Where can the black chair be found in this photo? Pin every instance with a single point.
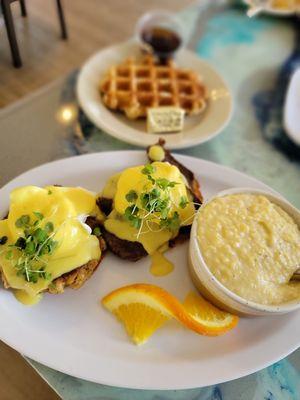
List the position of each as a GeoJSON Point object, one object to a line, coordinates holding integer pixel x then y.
{"type": "Point", "coordinates": [10, 29]}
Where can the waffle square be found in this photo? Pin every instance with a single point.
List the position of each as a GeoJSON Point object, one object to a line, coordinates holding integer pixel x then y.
{"type": "Point", "coordinates": [134, 86]}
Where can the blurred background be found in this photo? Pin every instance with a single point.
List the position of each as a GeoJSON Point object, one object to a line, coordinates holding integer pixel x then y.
{"type": "Point", "coordinates": [91, 24]}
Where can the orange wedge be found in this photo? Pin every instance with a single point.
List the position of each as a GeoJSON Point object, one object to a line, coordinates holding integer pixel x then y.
{"type": "Point", "coordinates": [215, 320]}
{"type": "Point", "coordinates": [144, 308]}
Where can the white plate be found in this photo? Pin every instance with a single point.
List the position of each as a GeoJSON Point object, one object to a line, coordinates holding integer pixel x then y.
{"type": "Point", "coordinates": [277, 12]}
{"type": "Point", "coordinates": [291, 108]}
{"type": "Point", "coordinates": [197, 129]}
{"type": "Point", "coordinates": [72, 333]}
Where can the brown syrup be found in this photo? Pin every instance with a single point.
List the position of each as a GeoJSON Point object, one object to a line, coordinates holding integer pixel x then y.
{"type": "Point", "coordinates": [163, 41]}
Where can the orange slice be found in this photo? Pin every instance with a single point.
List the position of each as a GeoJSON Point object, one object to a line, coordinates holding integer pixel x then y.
{"type": "Point", "coordinates": [215, 320]}
{"type": "Point", "coordinates": [144, 308]}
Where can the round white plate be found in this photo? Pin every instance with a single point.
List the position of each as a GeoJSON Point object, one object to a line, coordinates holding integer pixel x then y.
{"type": "Point", "coordinates": [197, 129]}
{"type": "Point", "coordinates": [277, 12]}
{"type": "Point", "coordinates": [72, 333]}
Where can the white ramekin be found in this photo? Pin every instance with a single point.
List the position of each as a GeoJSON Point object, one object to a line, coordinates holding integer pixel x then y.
{"type": "Point", "coordinates": [214, 290]}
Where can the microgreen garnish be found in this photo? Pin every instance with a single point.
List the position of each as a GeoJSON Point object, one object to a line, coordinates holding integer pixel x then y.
{"type": "Point", "coordinates": [3, 240]}
{"type": "Point", "coordinates": [164, 183]}
{"type": "Point", "coordinates": [23, 221]}
{"type": "Point", "coordinates": [183, 202]}
{"type": "Point", "coordinates": [131, 196]}
{"type": "Point", "coordinates": [154, 204]}
{"type": "Point", "coordinates": [38, 215]}
{"type": "Point", "coordinates": [148, 170]}
{"type": "Point", "coordinates": [97, 231]}
{"type": "Point", "coordinates": [49, 227]}
{"type": "Point", "coordinates": [172, 223]}
{"type": "Point", "coordinates": [131, 215]}
{"type": "Point", "coordinates": [9, 255]}
{"type": "Point", "coordinates": [31, 248]}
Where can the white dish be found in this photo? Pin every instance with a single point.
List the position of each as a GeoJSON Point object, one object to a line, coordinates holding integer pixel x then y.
{"type": "Point", "coordinates": [72, 333]}
{"type": "Point", "coordinates": [203, 277]}
{"type": "Point", "coordinates": [292, 107]}
{"type": "Point", "coordinates": [277, 12]}
{"type": "Point", "coordinates": [197, 129]}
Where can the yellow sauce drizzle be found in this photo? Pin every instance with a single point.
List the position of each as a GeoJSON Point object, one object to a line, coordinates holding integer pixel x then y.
{"type": "Point", "coordinates": [160, 265]}
{"type": "Point", "coordinates": [25, 298]}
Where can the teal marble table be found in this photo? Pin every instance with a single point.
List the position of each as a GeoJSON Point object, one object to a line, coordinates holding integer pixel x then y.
{"type": "Point", "coordinates": [249, 54]}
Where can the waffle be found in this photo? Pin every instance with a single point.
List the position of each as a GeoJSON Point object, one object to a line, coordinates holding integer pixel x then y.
{"type": "Point", "coordinates": [134, 86]}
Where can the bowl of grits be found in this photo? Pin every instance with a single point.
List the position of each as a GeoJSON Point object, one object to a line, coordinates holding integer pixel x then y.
{"type": "Point", "coordinates": [244, 250]}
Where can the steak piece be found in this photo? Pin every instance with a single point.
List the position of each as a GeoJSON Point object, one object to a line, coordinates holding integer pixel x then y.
{"type": "Point", "coordinates": [183, 235]}
{"type": "Point", "coordinates": [131, 251]}
{"type": "Point", "coordinates": [105, 205]}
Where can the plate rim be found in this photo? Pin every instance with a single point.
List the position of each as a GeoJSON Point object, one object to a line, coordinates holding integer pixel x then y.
{"type": "Point", "coordinates": [113, 382]}
{"type": "Point", "coordinates": [137, 142]}
{"type": "Point", "coordinates": [275, 12]}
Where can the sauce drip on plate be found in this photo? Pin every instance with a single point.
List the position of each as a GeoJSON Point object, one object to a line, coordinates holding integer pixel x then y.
{"type": "Point", "coordinates": [160, 265]}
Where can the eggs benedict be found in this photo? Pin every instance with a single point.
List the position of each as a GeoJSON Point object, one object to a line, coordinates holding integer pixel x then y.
{"type": "Point", "coordinates": [49, 240]}
{"type": "Point", "coordinates": [149, 207]}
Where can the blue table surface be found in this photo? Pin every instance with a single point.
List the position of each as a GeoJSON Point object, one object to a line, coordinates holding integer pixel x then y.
{"type": "Point", "coordinates": [256, 58]}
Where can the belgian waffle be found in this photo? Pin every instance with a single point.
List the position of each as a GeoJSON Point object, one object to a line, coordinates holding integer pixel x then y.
{"type": "Point", "coordinates": [134, 86]}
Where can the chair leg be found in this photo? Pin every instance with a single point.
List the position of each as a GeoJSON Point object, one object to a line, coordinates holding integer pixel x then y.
{"type": "Point", "coordinates": [11, 34]}
{"type": "Point", "coordinates": [63, 27]}
{"type": "Point", "coordinates": [23, 8]}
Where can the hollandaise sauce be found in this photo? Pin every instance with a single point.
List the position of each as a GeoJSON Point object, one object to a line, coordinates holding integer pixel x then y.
{"type": "Point", "coordinates": [44, 237]}
{"type": "Point", "coordinates": [25, 298]}
{"type": "Point", "coordinates": [160, 265]}
{"type": "Point", "coordinates": [150, 204]}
